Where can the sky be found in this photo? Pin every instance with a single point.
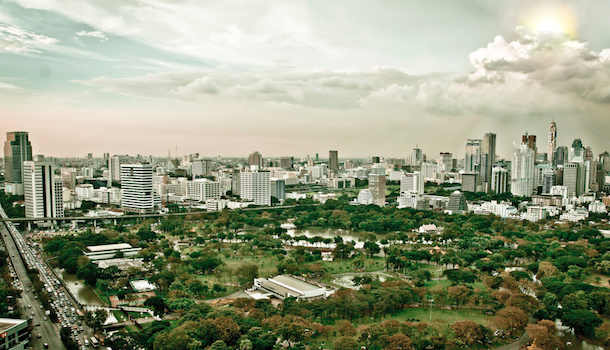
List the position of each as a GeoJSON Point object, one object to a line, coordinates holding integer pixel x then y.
{"type": "Point", "coordinates": [366, 78]}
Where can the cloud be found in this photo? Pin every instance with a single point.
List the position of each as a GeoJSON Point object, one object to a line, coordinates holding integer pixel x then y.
{"type": "Point", "coordinates": [6, 87]}
{"type": "Point", "coordinates": [94, 34]}
{"type": "Point", "coordinates": [18, 40]}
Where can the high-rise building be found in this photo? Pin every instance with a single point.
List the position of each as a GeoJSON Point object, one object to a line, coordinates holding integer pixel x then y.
{"type": "Point", "coordinates": [469, 182]}
{"type": "Point", "coordinates": [333, 161]}
{"type": "Point", "coordinates": [522, 170]}
{"type": "Point", "coordinates": [137, 188]}
{"type": "Point", "coordinates": [499, 178]}
{"type": "Point", "coordinates": [377, 187]}
{"type": "Point", "coordinates": [278, 188]}
{"type": "Point", "coordinates": [552, 142]}
{"type": "Point", "coordinates": [202, 190]}
{"type": "Point", "coordinates": [457, 203]}
{"type": "Point", "coordinates": [446, 160]}
{"type": "Point", "coordinates": [43, 192]}
{"type": "Point", "coordinates": [548, 181]}
{"type": "Point", "coordinates": [201, 167]}
{"type": "Point", "coordinates": [574, 178]}
{"type": "Point", "coordinates": [530, 141]}
{"type": "Point", "coordinates": [256, 159]}
{"type": "Point", "coordinates": [561, 155]}
{"type": "Point", "coordinates": [417, 156]}
{"type": "Point", "coordinates": [375, 159]}
{"type": "Point", "coordinates": [472, 159]}
{"type": "Point", "coordinates": [68, 178]}
{"type": "Point", "coordinates": [114, 166]}
{"type": "Point", "coordinates": [287, 162]}
{"type": "Point", "coordinates": [17, 149]}
{"type": "Point", "coordinates": [604, 159]}
{"type": "Point", "coordinates": [256, 186]}
{"type": "Point", "coordinates": [412, 182]}
{"type": "Point", "coordinates": [488, 159]}
{"type": "Point", "coordinates": [577, 151]}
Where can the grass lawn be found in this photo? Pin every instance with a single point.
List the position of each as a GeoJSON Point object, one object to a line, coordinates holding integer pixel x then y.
{"type": "Point", "coordinates": [449, 316]}
{"type": "Point", "coordinates": [119, 316]}
{"type": "Point", "coordinates": [345, 265]}
{"type": "Point", "coordinates": [604, 281]}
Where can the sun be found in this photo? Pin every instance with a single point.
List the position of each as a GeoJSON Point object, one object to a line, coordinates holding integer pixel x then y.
{"type": "Point", "coordinates": [549, 27]}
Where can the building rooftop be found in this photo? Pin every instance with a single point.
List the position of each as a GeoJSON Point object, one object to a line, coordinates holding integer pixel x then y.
{"type": "Point", "coordinates": [7, 323]}
{"type": "Point", "coordinates": [142, 285]}
{"type": "Point", "coordinates": [105, 247]}
{"type": "Point", "coordinates": [294, 283]}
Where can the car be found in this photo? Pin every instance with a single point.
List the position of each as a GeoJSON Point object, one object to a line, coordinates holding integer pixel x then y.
{"type": "Point", "coordinates": [32, 313]}
{"type": "Point", "coordinates": [41, 306]}
{"type": "Point", "coordinates": [44, 318]}
{"type": "Point", "coordinates": [31, 317]}
{"type": "Point", "coordinates": [39, 335]}
{"type": "Point", "coordinates": [46, 346]}
{"type": "Point", "coordinates": [29, 306]}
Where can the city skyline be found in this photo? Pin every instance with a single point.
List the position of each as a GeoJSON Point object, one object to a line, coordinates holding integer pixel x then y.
{"type": "Point", "coordinates": [302, 78]}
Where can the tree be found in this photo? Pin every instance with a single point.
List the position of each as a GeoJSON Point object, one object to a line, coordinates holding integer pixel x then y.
{"type": "Point", "coordinates": [247, 273]}
{"type": "Point", "coordinates": [467, 331]}
{"type": "Point", "coordinates": [346, 343]}
{"type": "Point", "coordinates": [543, 335]}
{"type": "Point", "coordinates": [345, 328]}
{"type": "Point", "coordinates": [371, 248]}
{"type": "Point", "coordinates": [399, 341]}
{"type": "Point", "coordinates": [158, 305]}
{"type": "Point", "coordinates": [582, 321]}
{"type": "Point", "coordinates": [510, 319]}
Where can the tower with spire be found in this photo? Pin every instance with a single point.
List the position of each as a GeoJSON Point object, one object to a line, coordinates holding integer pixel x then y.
{"type": "Point", "coordinates": [552, 141]}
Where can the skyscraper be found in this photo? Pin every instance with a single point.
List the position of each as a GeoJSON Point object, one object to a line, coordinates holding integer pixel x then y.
{"type": "Point", "coordinates": [68, 178]}
{"type": "Point", "coordinates": [488, 159]}
{"type": "Point", "coordinates": [256, 159]}
{"type": "Point", "coordinates": [377, 187]}
{"type": "Point", "coordinates": [552, 142]}
{"type": "Point", "coordinates": [333, 161]}
{"type": "Point", "coordinates": [574, 178]}
{"type": "Point", "coordinates": [472, 159]}
{"type": "Point", "coordinates": [137, 188]}
{"type": "Point", "coordinates": [499, 178]}
{"type": "Point", "coordinates": [522, 170]}
{"type": "Point", "coordinates": [43, 192]}
{"type": "Point", "coordinates": [446, 160]}
{"type": "Point", "coordinates": [561, 156]}
{"type": "Point", "coordinates": [577, 151]}
{"type": "Point", "coordinates": [256, 186]}
{"type": "Point", "coordinates": [416, 156]}
{"type": "Point", "coordinates": [17, 149]}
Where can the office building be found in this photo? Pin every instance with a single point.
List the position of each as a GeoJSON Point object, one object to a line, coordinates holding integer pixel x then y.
{"type": "Point", "coordinates": [522, 170]}
{"type": "Point", "coordinates": [333, 161]}
{"type": "Point", "coordinates": [530, 141]}
{"type": "Point", "coordinates": [548, 181]}
{"type": "Point", "coordinates": [561, 155]}
{"type": "Point", "coordinates": [552, 142]}
{"type": "Point", "coordinates": [43, 192]}
{"type": "Point", "coordinates": [446, 161]}
{"type": "Point", "coordinates": [457, 203]}
{"type": "Point", "coordinates": [365, 197]}
{"type": "Point", "coordinates": [201, 167]}
{"type": "Point", "coordinates": [469, 182]}
{"type": "Point", "coordinates": [377, 187]}
{"type": "Point", "coordinates": [14, 334]}
{"type": "Point", "coordinates": [256, 187]}
{"type": "Point", "coordinates": [17, 149]}
{"type": "Point", "coordinates": [412, 182]}
{"type": "Point", "coordinates": [574, 178]}
{"type": "Point", "coordinates": [417, 156]}
{"type": "Point", "coordinates": [287, 162]}
{"type": "Point", "coordinates": [499, 179]}
{"type": "Point", "coordinates": [68, 178]}
{"type": "Point", "coordinates": [472, 159]}
{"type": "Point", "coordinates": [488, 159]}
{"type": "Point", "coordinates": [375, 159]}
{"type": "Point", "coordinates": [138, 195]}
{"type": "Point", "coordinates": [278, 188]}
{"type": "Point", "coordinates": [202, 190]}
{"type": "Point", "coordinates": [256, 159]}
{"type": "Point", "coordinates": [114, 166]}
{"type": "Point", "coordinates": [577, 151]}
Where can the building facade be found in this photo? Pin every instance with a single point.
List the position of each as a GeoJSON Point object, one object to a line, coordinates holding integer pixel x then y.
{"type": "Point", "coordinates": [17, 149]}
{"type": "Point", "coordinates": [522, 170]}
{"type": "Point", "coordinates": [256, 186]}
{"type": "Point", "coordinates": [43, 192]}
{"type": "Point", "coordinates": [138, 195]}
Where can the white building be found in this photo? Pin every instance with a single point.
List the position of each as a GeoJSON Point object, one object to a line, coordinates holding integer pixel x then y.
{"type": "Point", "coordinates": [256, 186]}
{"type": "Point", "coordinates": [284, 286]}
{"type": "Point", "coordinates": [522, 170]}
{"type": "Point", "coordinates": [412, 182]}
{"type": "Point", "coordinates": [84, 191]}
{"type": "Point", "coordinates": [14, 334]}
{"type": "Point", "coordinates": [499, 179]}
{"type": "Point", "coordinates": [138, 195]}
{"type": "Point", "coordinates": [202, 189]}
{"type": "Point", "coordinates": [408, 199]}
{"type": "Point", "coordinates": [43, 192]}
{"type": "Point", "coordinates": [365, 197]}
{"type": "Point", "coordinates": [597, 207]}
{"type": "Point", "coordinates": [575, 215]}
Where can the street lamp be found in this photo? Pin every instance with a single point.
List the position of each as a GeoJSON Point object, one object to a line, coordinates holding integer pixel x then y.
{"type": "Point", "coordinates": [431, 301]}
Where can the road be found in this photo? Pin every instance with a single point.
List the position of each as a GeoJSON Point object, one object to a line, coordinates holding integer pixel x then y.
{"type": "Point", "coordinates": [49, 332]}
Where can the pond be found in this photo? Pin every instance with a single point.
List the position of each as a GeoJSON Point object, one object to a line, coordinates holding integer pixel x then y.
{"type": "Point", "coordinates": [572, 341]}
{"type": "Point", "coordinates": [83, 293]}
{"type": "Point", "coordinates": [347, 235]}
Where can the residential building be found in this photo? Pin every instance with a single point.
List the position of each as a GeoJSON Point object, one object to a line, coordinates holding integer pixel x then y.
{"type": "Point", "coordinates": [522, 171]}
{"type": "Point", "coordinates": [256, 159]}
{"type": "Point", "coordinates": [377, 187]}
{"type": "Point", "coordinates": [256, 186]}
{"type": "Point", "coordinates": [499, 178]}
{"type": "Point", "coordinates": [43, 192]}
{"type": "Point", "coordinates": [138, 195]}
{"type": "Point", "coordinates": [202, 190]}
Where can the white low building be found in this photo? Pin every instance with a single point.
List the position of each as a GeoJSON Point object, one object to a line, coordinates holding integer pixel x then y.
{"type": "Point", "coordinates": [284, 286]}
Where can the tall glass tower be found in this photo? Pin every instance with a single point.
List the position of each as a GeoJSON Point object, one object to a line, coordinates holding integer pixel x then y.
{"type": "Point", "coordinates": [17, 149]}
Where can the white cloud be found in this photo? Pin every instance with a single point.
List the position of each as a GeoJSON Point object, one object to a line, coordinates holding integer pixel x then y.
{"type": "Point", "coordinates": [18, 40]}
{"type": "Point", "coordinates": [6, 87]}
{"type": "Point", "coordinates": [94, 34]}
